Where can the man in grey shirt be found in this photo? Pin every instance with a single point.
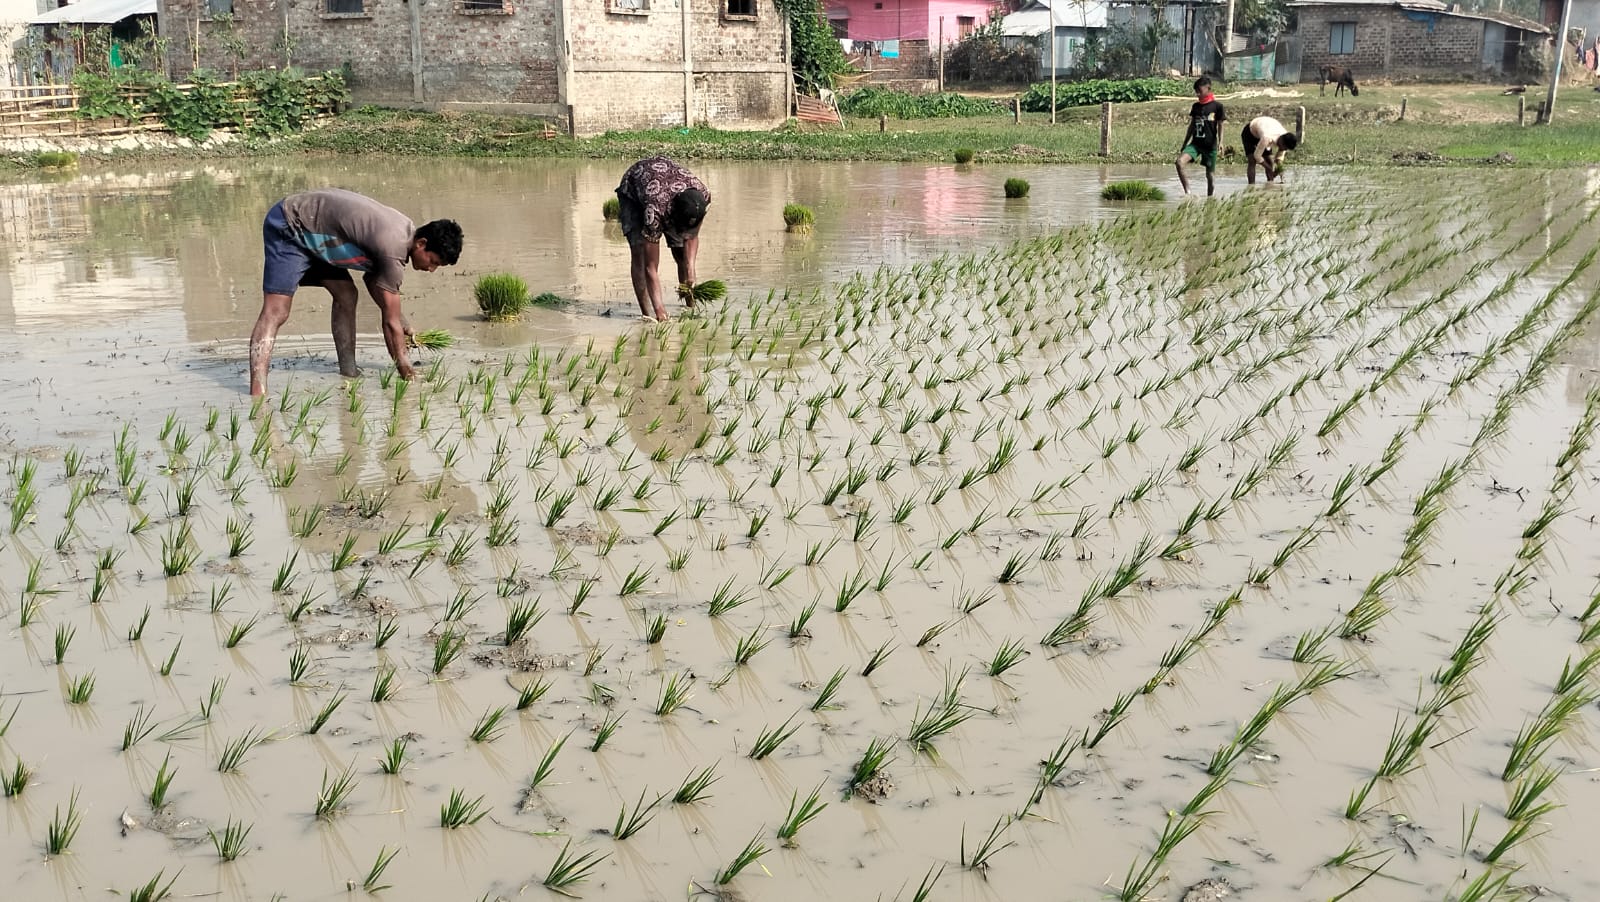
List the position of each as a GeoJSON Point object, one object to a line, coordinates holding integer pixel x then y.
{"type": "Point", "coordinates": [316, 238]}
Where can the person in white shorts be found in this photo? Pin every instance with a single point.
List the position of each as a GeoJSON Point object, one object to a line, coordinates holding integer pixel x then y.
{"type": "Point", "coordinates": [1265, 142]}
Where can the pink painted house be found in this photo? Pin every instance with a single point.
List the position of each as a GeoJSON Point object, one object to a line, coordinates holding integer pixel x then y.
{"type": "Point", "coordinates": [906, 20]}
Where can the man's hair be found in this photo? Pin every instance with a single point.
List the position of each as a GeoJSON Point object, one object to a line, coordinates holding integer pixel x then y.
{"type": "Point", "coordinates": [1288, 142]}
{"type": "Point", "coordinates": [1202, 82]}
{"type": "Point", "coordinates": [444, 238]}
{"type": "Point", "coordinates": [688, 208]}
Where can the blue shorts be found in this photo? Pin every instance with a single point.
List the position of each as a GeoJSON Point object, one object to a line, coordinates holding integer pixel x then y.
{"type": "Point", "coordinates": [288, 265]}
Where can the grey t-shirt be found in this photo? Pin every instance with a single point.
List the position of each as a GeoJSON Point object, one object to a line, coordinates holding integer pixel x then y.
{"type": "Point", "coordinates": [352, 231]}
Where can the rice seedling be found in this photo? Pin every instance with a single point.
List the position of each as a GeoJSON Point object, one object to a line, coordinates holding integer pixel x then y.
{"type": "Point", "coordinates": [63, 640]}
{"type": "Point", "coordinates": [383, 685]}
{"type": "Point", "coordinates": [1141, 878]}
{"type": "Point", "coordinates": [63, 828]}
{"type": "Point", "coordinates": [674, 693]}
{"type": "Point", "coordinates": [234, 751]}
{"type": "Point", "coordinates": [325, 712]}
{"type": "Point", "coordinates": [231, 843]}
{"type": "Point", "coordinates": [138, 728]}
{"type": "Point", "coordinates": [14, 781]}
{"type": "Point", "coordinates": [384, 630]}
{"type": "Point", "coordinates": [872, 762]}
{"type": "Point", "coordinates": [446, 648]}
{"type": "Point", "coordinates": [1016, 188]}
{"type": "Point", "coordinates": [752, 851]}
{"type": "Point", "coordinates": [283, 581]}
{"type": "Point", "coordinates": [1132, 189]}
{"type": "Point", "coordinates": [569, 870]}
{"type": "Point", "coordinates": [608, 727]}
{"type": "Point", "coordinates": [628, 823]}
{"type": "Point", "coordinates": [1110, 718]}
{"type": "Point", "coordinates": [238, 631]}
{"type": "Point", "coordinates": [80, 689]}
{"type": "Point", "coordinates": [797, 218]}
{"type": "Point", "coordinates": [178, 555]}
{"type": "Point", "coordinates": [332, 794]}
{"type": "Point", "coordinates": [153, 890]}
{"type": "Point", "coordinates": [878, 657]}
{"type": "Point", "coordinates": [748, 646]}
{"type": "Point", "coordinates": [724, 599]}
{"type": "Point", "coordinates": [770, 739]}
{"type": "Point", "coordinates": [1007, 656]}
{"type": "Point", "coordinates": [489, 727]}
{"type": "Point", "coordinates": [433, 339]}
{"type": "Point", "coordinates": [1538, 733]}
{"type": "Point", "coordinates": [240, 537]}
{"type": "Point", "coordinates": [800, 813]}
{"type": "Point", "coordinates": [166, 665]}
{"type": "Point", "coordinates": [458, 811]}
{"type": "Point", "coordinates": [986, 849]}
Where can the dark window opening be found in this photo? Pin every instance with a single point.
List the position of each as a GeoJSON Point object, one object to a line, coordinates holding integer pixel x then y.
{"type": "Point", "coordinates": [1342, 38]}
{"type": "Point", "coordinates": [746, 8]}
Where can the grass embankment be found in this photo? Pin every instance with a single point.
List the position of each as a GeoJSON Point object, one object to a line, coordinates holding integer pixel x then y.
{"type": "Point", "coordinates": [1444, 124]}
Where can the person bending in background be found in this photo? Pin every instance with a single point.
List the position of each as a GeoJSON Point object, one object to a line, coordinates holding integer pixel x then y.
{"type": "Point", "coordinates": [658, 197]}
{"type": "Point", "coordinates": [1265, 142]}
{"type": "Point", "coordinates": [1200, 139]}
{"type": "Point", "coordinates": [316, 238]}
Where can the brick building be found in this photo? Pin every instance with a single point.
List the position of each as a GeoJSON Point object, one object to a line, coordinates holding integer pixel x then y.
{"type": "Point", "coordinates": [594, 64]}
{"type": "Point", "coordinates": [1414, 39]}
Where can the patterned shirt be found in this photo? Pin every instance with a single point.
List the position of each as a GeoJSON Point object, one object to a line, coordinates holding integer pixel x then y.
{"type": "Point", "coordinates": [352, 231]}
{"type": "Point", "coordinates": [652, 184]}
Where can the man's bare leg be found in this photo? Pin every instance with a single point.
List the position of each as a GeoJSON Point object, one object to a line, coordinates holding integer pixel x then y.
{"type": "Point", "coordinates": [344, 325]}
{"type": "Point", "coordinates": [1250, 171]}
{"type": "Point", "coordinates": [274, 312]}
{"type": "Point", "coordinates": [1183, 177]}
{"type": "Point", "coordinates": [1211, 182]}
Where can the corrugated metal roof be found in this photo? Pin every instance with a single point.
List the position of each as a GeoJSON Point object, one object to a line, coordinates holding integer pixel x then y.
{"type": "Point", "coordinates": [1434, 6]}
{"type": "Point", "coordinates": [1034, 18]}
{"type": "Point", "coordinates": [96, 12]}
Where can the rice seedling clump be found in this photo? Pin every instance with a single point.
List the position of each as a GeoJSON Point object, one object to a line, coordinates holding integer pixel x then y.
{"type": "Point", "coordinates": [964, 155]}
{"type": "Point", "coordinates": [1132, 189]}
{"type": "Point", "coordinates": [501, 295]}
{"type": "Point", "coordinates": [1016, 188]}
{"type": "Point", "coordinates": [797, 218]}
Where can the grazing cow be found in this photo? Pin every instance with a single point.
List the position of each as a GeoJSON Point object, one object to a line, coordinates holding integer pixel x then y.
{"type": "Point", "coordinates": [1341, 78]}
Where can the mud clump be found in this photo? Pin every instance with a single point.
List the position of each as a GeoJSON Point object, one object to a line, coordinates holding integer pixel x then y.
{"type": "Point", "coordinates": [1209, 890]}
{"type": "Point", "coordinates": [875, 790]}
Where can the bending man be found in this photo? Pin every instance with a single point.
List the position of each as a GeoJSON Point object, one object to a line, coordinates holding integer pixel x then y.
{"type": "Point", "coordinates": [659, 197]}
{"type": "Point", "coordinates": [1265, 142]}
{"type": "Point", "coordinates": [316, 238]}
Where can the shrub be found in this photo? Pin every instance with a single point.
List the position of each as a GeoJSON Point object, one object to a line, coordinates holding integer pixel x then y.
{"type": "Point", "coordinates": [1103, 90]}
{"type": "Point", "coordinates": [983, 55]}
{"type": "Point", "coordinates": [797, 218]}
{"type": "Point", "coordinates": [964, 155]}
{"type": "Point", "coordinates": [1132, 189]}
{"type": "Point", "coordinates": [611, 209]}
{"type": "Point", "coordinates": [901, 105]}
{"type": "Point", "coordinates": [548, 299]}
{"type": "Point", "coordinates": [54, 159]}
{"type": "Point", "coordinates": [1016, 188]}
{"type": "Point", "coordinates": [501, 295]}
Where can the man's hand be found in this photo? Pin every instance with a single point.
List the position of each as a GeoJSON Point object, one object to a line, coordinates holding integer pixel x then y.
{"type": "Point", "coordinates": [406, 371]}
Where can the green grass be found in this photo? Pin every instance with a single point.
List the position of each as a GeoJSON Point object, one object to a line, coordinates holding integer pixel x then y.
{"type": "Point", "coordinates": [1132, 189]}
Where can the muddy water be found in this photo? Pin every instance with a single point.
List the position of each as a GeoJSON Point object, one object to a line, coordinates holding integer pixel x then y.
{"type": "Point", "coordinates": [1052, 406]}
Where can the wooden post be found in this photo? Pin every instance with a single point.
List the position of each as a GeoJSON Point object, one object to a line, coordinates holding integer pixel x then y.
{"type": "Point", "coordinates": [883, 122]}
{"type": "Point", "coordinates": [1300, 123]}
{"type": "Point", "coordinates": [1402, 109]}
{"type": "Point", "coordinates": [1016, 111]}
{"type": "Point", "coordinates": [1522, 110]}
{"type": "Point", "coordinates": [1105, 129]}
{"type": "Point", "coordinates": [941, 54]}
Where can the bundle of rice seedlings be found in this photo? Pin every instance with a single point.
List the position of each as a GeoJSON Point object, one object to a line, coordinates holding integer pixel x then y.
{"type": "Point", "coordinates": [501, 295]}
{"type": "Point", "coordinates": [1016, 188]}
{"type": "Point", "coordinates": [433, 339]}
{"type": "Point", "coordinates": [797, 218]}
{"type": "Point", "coordinates": [964, 155]}
{"type": "Point", "coordinates": [1132, 189]}
{"type": "Point", "coordinates": [611, 209]}
{"type": "Point", "coordinates": [703, 292]}
{"type": "Point", "coordinates": [547, 299]}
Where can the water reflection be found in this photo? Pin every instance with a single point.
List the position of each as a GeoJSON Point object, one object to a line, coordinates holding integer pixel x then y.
{"type": "Point", "coordinates": [186, 240]}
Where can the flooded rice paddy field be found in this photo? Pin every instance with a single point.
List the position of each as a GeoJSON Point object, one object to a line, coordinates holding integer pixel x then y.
{"type": "Point", "coordinates": [1242, 546]}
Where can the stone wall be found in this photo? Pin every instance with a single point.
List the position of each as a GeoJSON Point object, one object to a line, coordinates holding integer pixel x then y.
{"type": "Point", "coordinates": [1392, 44]}
{"type": "Point", "coordinates": [625, 65]}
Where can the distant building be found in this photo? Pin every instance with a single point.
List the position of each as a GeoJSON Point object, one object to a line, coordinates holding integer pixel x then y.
{"type": "Point", "coordinates": [1075, 21]}
{"type": "Point", "coordinates": [902, 34]}
{"type": "Point", "coordinates": [14, 16]}
{"type": "Point", "coordinates": [601, 65]}
{"type": "Point", "coordinates": [1414, 39]}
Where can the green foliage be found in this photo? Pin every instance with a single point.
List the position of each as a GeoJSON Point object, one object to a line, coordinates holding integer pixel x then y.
{"type": "Point", "coordinates": [264, 103]}
{"type": "Point", "coordinates": [501, 295]}
{"type": "Point", "coordinates": [1132, 189]}
{"type": "Point", "coordinates": [815, 53]}
{"type": "Point", "coordinates": [901, 105]}
{"type": "Point", "coordinates": [1102, 90]}
{"type": "Point", "coordinates": [53, 159]}
{"type": "Point", "coordinates": [964, 155]}
{"type": "Point", "coordinates": [611, 209]}
{"type": "Point", "coordinates": [1016, 188]}
{"type": "Point", "coordinates": [982, 55]}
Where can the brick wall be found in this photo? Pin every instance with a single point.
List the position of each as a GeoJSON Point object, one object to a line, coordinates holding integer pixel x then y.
{"type": "Point", "coordinates": [1392, 44]}
{"type": "Point", "coordinates": [626, 69]}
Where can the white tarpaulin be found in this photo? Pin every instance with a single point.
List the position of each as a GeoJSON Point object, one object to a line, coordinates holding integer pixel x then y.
{"type": "Point", "coordinates": [96, 12]}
